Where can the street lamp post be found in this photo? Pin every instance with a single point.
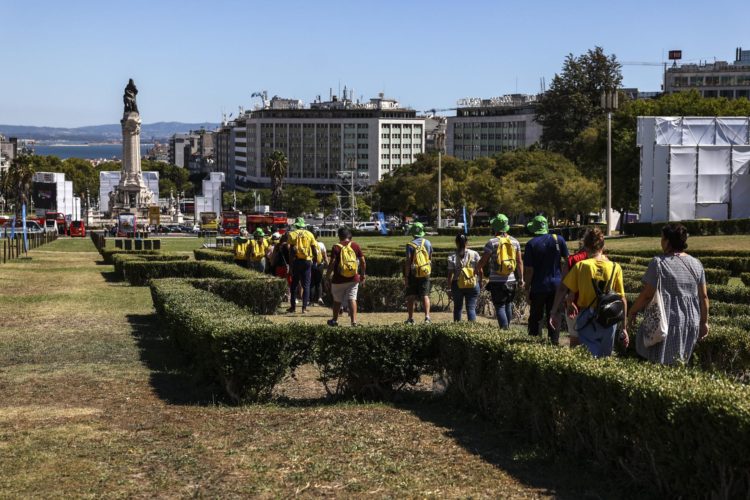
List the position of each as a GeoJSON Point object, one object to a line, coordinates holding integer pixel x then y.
{"type": "Point", "coordinates": [440, 191]}
{"type": "Point", "coordinates": [609, 103]}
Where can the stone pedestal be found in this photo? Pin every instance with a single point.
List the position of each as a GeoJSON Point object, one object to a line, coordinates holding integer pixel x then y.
{"type": "Point", "coordinates": [132, 193]}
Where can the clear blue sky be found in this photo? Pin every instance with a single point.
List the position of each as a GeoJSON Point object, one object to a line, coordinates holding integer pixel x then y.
{"type": "Point", "coordinates": [65, 63]}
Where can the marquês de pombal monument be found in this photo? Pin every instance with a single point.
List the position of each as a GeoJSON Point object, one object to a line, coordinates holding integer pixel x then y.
{"type": "Point", "coordinates": [132, 193]}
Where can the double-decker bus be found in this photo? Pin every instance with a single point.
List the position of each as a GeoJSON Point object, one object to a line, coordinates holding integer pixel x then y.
{"type": "Point", "coordinates": [269, 221]}
{"type": "Point", "coordinates": [230, 223]}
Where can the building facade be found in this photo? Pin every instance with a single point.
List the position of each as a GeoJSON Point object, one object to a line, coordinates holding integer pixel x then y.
{"type": "Point", "coordinates": [186, 147]}
{"type": "Point", "coordinates": [322, 142]}
{"type": "Point", "coordinates": [486, 127]}
{"type": "Point", "coordinates": [717, 79]}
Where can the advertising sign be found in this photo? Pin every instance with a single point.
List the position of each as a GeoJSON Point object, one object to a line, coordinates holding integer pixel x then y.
{"type": "Point", "coordinates": [154, 216]}
{"type": "Point", "coordinates": [44, 195]}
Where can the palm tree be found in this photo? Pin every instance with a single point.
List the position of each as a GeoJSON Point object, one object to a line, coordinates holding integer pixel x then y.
{"type": "Point", "coordinates": [16, 181]}
{"type": "Point", "coordinates": [277, 165]}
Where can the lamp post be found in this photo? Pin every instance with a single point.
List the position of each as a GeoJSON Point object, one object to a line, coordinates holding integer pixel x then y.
{"type": "Point", "coordinates": [609, 103]}
{"type": "Point", "coordinates": [440, 191]}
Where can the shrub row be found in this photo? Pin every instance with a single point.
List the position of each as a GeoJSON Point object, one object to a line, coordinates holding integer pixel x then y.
{"type": "Point", "coordinates": [262, 294]}
{"type": "Point", "coordinates": [211, 254]}
{"type": "Point", "coordinates": [108, 254]}
{"type": "Point", "coordinates": [694, 227]}
{"type": "Point", "coordinates": [723, 293]}
{"type": "Point", "coordinates": [735, 266]}
{"type": "Point", "coordinates": [119, 259]}
{"type": "Point", "coordinates": [387, 294]}
{"type": "Point", "coordinates": [745, 277]}
{"type": "Point", "coordinates": [139, 273]}
{"type": "Point", "coordinates": [673, 429]}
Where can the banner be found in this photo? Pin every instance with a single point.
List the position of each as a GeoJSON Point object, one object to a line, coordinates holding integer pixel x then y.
{"type": "Point", "coordinates": [25, 231]}
{"type": "Point", "coordinates": [383, 226]}
{"type": "Point", "coordinates": [466, 224]}
{"type": "Point", "coordinates": [154, 216]}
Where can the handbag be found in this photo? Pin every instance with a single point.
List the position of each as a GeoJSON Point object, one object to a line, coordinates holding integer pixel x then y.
{"type": "Point", "coordinates": [654, 327]}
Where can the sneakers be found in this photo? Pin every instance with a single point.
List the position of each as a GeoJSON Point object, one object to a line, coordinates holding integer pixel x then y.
{"type": "Point", "coordinates": [320, 302]}
{"type": "Point", "coordinates": [409, 321]}
{"type": "Point", "coordinates": [354, 325]}
{"type": "Point", "coordinates": [331, 322]}
{"type": "Point", "coordinates": [427, 319]}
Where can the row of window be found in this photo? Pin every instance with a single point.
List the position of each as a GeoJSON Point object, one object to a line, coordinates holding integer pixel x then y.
{"type": "Point", "coordinates": [483, 147]}
{"type": "Point", "coordinates": [741, 80]}
{"type": "Point", "coordinates": [401, 125]}
{"type": "Point", "coordinates": [401, 146]}
{"type": "Point", "coordinates": [490, 125]}
{"type": "Point", "coordinates": [483, 137]}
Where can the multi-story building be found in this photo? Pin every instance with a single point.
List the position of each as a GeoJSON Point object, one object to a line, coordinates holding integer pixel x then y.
{"type": "Point", "coordinates": [716, 79]}
{"type": "Point", "coordinates": [183, 147]}
{"type": "Point", "coordinates": [322, 141]}
{"type": "Point", "coordinates": [435, 127]}
{"type": "Point", "coordinates": [486, 127]}
{"type": "Point", "coordinates": [8, 151]}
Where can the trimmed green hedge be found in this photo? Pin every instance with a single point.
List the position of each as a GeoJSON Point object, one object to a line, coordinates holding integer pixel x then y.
{"type": "Point", "coordinates": [733, 265]}
{"type": "Point", "coordinates": [694, 227]}
{"type": "Point", "coordinates": [245, 353]}
{"type": "Point", "coordinates": [119, 259]}
{"type": "Point", "coordinates": [721, 293]}
{"type": "Point", "coordinates": [108, 254]}
{"type": "Point", "coordinates": [263, 294]}
{"type": "Point", "coordinates": [139, 273]}
{"type": "Point", "coordinates": [388, 295]}
{"type": "Point", "coordinates": [745, 277]}
{"type": "Point", "coordinates": [211, 254]}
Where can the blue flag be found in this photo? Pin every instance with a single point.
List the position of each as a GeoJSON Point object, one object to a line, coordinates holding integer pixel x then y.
{"type": "Point", "coordinates": [381, 220]}
{"type": "Point", "coordinates": [466, 225]}
{"type": "Point", "coordinates": [25, 232]}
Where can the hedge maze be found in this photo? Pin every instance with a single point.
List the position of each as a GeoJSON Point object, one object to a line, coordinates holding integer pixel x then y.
{"type": "Point", "coordinates": [680, 430]}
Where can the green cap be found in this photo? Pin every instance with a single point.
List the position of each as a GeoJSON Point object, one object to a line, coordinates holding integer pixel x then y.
{"type": "Point", "coordinates": [538, 226]}
{"type": "Point", "coordinates": [258, 232]}
{"type": "Point", "coordinates": [417, 229]}
{"type": "Point", "coordinates": [500, 224]}
{"type": "Point", "coordinates": [299, 222]}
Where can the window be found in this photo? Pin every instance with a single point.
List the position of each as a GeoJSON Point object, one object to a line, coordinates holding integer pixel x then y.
{"type": "Point", "coordinates": [385, 136]}
{"type": "Point", "coordinates": [362, 125]}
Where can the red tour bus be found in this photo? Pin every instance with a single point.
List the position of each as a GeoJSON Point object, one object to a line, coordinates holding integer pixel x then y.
{"type": "Point", "coordinates": [274, 221]}
{"type": "Point", "coordinates": [230, 223]}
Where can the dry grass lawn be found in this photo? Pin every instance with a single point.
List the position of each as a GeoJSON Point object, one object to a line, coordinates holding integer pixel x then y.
{"type": "Point", "coordinates": [96, 403]}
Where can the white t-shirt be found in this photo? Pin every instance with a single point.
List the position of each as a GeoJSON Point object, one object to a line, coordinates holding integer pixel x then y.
{"type": "Point", "coordinates": [470, 258]}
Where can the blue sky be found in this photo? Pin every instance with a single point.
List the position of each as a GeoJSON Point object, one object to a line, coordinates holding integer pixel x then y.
{"type": "Point", "coordinates": [65, 63]}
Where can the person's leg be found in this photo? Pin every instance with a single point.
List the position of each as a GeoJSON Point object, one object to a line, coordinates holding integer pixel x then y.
{"type": "Point", "coordinates": [296, 278]}
{"type": "Point", "coordinates": [536, 312]}
{"type": "Point", "coordinates": [471, 303]}
{"type": "Point", "coordinates": [336, 308]}
{"type": "Point", "coordinates": [572, 333]}
{"type": "Point", "coordinates": [307, 274]}
{"type": "Point", "coordinates": [410, 307]}
{"type": "Point", "coordinates": [458, 301]}
{"type": "Point", "coordinates": [554, 335]}
{"type": "Point", "coordinates": [426, 298]}
{"type": "Point", "coordinates": [511, 290]}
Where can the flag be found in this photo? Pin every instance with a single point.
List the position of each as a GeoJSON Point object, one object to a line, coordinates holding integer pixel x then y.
{"type": "Point", "coordinates": [466, 225]}
{"type": "Point", "coordinates": [25, 232]}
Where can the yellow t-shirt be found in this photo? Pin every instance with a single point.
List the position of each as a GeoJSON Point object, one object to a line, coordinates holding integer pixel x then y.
{"type": "Point", "coordinates": [257, 250]}
{"type": "Point", "coordinates": [303, 237]}
{"type": "Point", "coordinates": [578, 280]}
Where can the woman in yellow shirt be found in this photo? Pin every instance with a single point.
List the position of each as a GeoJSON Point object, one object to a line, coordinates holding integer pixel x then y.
{"type": "Point", "coordinates": [581, 279]}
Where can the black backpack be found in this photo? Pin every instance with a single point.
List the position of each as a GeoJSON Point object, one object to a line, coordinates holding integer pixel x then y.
{"type": "Point", "coordinates": [610, 309]}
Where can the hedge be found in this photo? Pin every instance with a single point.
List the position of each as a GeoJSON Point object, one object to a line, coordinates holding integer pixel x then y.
{"type": "Point", "coordinates": [734, 265]}
{"type": "Point", "coordinates": [387, 294]}
{"type": "Point", "coordinates": [246, 354]}
{"type": "Point", "coordinates": [721, 293]}
{"type": "Point", "coordinates": [211, 254]}
{"type": "Point", "coordinates": [138, 273]}
{"type": "Point", "coordinates": [745, 277]}
{"type": "Point", "coordinates": [694, 227]}
{"type": "Point", "coordinates": [108, 254]}
{"type": "Point", "coordinates": [119, 259]}
{"type": "Point", "coordinates": [679, 431]}
{"type": "Point", "coordinates": [262, 294]}
{"type": "Point", "coordinates": [713, 276]}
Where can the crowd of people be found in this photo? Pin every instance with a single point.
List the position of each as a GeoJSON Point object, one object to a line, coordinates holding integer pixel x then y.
{"type": "Point", "coordinates": [584, 288]}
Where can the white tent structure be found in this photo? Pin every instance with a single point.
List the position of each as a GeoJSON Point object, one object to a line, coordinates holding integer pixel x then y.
{"type": "Point", "coordinates": [694, 168]}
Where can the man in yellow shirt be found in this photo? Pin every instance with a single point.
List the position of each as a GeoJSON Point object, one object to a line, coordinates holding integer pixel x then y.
{"type": "Point", "coordinates": [597, 271]}
{"type": "Point", "coordinates": [303, 252]}
{"type": "Point", "coordinates": [256, 251]}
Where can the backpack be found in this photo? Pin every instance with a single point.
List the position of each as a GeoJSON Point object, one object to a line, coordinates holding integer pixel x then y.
{"type": "Point", "coordinates": [240, 248]}
{"type": "Point", "coordinates": [257, 250]}
{"type": "Point", "coordinates": [303, 244]}
{"type": "Point", "coordinates": [421, 260]}
{"type": "Point", "coordinates": [466, 277]}
{"type": "Point", "coordinates": [609, 310]}
{"type": "Point", "coordinates": [506, 257]}
{"type": "Point", "coordinates": [348, 261]}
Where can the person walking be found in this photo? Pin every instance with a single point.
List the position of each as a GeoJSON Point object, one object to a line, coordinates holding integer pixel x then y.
{"type": "Point", "coordinates": [303, 252]}
{"type": "Point", "coordinates": [544, 261]}
{"type": "Point", "coordinates": [240, 247]}
{"type": "Point", "coordinates": [256, 254]}
{"type": "Point", "coordinates": [596, 271]}
{"type": "Point", "coordinates": [348, 267]}
{"type": "Point", "coordinates": [417, 269]}
{"type": "Point", "coordinates": [681, 281]}
{"type": "Point", "coordinates": [503, 252]}
{"type": "Point", "coordinates": [270, 252]}
{"type": "Point", "coordinates": [318, 268]}
{"type": "Point", "coordinates": [464, 280]}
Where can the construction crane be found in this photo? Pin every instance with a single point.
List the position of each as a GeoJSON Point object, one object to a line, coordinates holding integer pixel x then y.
{"type": "Point", "coordinates": [434, 111]}
{"type": "Point", "coordinates": [263, 94]}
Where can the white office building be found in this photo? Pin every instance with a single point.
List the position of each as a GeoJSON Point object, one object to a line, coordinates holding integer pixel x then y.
{"type": "Point", "coordinates": [109, 180]}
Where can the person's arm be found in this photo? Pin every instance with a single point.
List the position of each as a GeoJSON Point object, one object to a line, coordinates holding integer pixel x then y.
{"type": "Point", "coordinates": [529, 275]}
{"type": "Point", "coordinates": [407, 266]}
{"type": "Point", "coordinates": [479, 268]}
{"type": "Point", "coordinates": [331, 264]}
{"type": "Point", "coordinates": [703, 298]}
{"type": "Point", "coordinates": [519, 268]}
{"type": "Point", "coordinates": [362, 268]}
{"type": "Point", "coordinates": [480, 274]}
{"type": "Point", "coordinates": [647, 293]}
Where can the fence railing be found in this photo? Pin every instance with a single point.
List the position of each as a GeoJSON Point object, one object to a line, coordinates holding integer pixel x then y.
{"type": "Point", "coordinates": [14, 248]}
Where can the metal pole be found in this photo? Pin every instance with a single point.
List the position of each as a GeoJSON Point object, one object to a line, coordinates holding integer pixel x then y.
{"type": "Point", "coordinates": [354, 210]}
{"type": "Point", "coordinates": [609, 173]}
{"type": "Point", "coordinates": [440, 191]}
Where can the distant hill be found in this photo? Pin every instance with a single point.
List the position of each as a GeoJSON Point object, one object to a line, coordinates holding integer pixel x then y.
{"type": "Point", "coordinates": [101, 133]}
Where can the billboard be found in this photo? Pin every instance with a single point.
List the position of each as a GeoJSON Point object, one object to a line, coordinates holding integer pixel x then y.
{"type": "Point", "coordinates": [44, 195]}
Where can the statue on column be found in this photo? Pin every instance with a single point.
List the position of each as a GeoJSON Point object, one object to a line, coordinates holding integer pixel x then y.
{"type": "Point", "coordinates": [129, 97]}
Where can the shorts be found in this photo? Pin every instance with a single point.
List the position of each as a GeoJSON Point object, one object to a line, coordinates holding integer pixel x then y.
{"type": "Point", "coordinates": [502, 292]}
{"type": "Point", "coordinates": [418, 287]}
{"type": "Point", "coordinates": [344, 292]}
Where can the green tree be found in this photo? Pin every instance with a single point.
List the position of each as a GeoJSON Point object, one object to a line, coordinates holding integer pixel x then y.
{"type": "Point", "coordinates": [277, 165]}
{"type": "Point", "coordinates": [16, 181]}
{"type": "Point", "coordinates": [364, 212]}
{"type": "Point", "coordinates": [573, 99]}
{"type": "Point", "coordinates": [299, 200]}
{"type": "Point", "coordinates": [329, 204]}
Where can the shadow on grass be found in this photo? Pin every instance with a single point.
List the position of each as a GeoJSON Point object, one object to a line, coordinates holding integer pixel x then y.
{"type": "Point", "coordinates": [111, 277]}
{"type": "Point", "coordinates": [534, 465]}
{"type": "Point", "coordinates": [171, 376]}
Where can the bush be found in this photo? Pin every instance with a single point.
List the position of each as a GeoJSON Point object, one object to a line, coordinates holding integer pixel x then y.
{"type": "Point", "coordinates": [119, 259]}
{"type": "Point", "coordinates": [745, 277]}
{"type": "Point", "coordinates": [245, 353]}
{"type": "Point", "coordinates": [108, 254]}
{"type": "Point", "coordinates": [139, 273]}
{"type": "Point", "coordinates": [262, 294]}
{"type": "Point", "coordinates": [210, 254]}
{"type": "Point", "coordinates": [725, 349]}
{"type": "Point", "coordinates": [672, 429]}
{"type": "Point", "coordinates": [721, 293]}
{"type": "Point", "coordinates": [388, 295]}
{"type": "Point", "coordinates": [384, 265]}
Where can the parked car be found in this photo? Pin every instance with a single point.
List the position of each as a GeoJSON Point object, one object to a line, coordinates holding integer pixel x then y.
{"type": "Point", "coordinates": [368, 226]}
{"type": "Point", "coordinates": [77, 228]}
{"type": "Point", "coordinates": [31, 227]}
{"type": "Point", "coordinates": [50, 225]}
